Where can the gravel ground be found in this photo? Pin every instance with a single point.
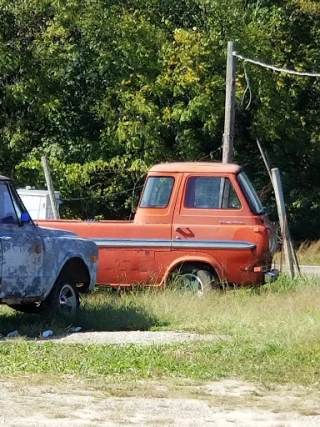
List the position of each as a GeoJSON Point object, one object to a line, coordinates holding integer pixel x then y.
{"type": "Point", "coordinates": [134, 337]}
{"type": "Point", "coordinates": [26, 401]}
{"type": "Point", "coordinates": [225, 403]}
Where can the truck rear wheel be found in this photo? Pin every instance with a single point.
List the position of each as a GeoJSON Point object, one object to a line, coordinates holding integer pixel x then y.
{"type": "Point", "coordinates": [197, 279]}
{"type": "Point", "coordinates": [63, 299]}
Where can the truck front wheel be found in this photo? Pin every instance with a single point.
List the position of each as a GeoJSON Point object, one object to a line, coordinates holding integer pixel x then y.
{"type": "Point", "coordinates": [63, 299]}
{"type": "Point", "coordinates": [197, 279]}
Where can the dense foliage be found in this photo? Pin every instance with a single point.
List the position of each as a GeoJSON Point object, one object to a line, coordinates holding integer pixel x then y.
{"type": "Point", "coordinates": [106, 88]}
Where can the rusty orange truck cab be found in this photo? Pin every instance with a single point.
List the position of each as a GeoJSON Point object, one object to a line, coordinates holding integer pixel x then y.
{"type": "Point", "coordinates": [201, 222]}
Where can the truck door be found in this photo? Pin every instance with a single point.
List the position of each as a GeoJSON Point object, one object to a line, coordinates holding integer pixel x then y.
{"type": "Point", "coordinates": [21, 247]}
{"type": "Point", "coordinates": [208, 204]}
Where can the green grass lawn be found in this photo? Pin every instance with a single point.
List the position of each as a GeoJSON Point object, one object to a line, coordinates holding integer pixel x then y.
{"type": "Point", "coordinates": [267, 335]}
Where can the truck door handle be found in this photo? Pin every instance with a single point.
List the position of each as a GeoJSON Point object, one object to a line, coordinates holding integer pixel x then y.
{"type": "Point", "coordinates": [185, 231]}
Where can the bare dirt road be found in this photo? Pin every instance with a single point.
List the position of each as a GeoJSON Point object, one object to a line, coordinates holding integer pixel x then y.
{"type": "Point", "coordinates": [67, 401]}
{"type": "Point", "coordinates": [225, 403]}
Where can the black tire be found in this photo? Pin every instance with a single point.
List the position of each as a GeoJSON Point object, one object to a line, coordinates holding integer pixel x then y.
{"type": "Point", "coordinates": [63, 299]}
{"type": "Point", "coordinates": [33, 308]}
{"type": "Point", "coordinates": [197, 279]}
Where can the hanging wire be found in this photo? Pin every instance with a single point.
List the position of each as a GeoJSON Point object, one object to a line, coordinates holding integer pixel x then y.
{"type": "Point", "coordinates": [248, 88]}
{"type": "Point", "coordinates": [102, 197]}
{"type": "Point", "coordinates": [273, 67]}
{"type": "Point", "coordinates": [210, 154]}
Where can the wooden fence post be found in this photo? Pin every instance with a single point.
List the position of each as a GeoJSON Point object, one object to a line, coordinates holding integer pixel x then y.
{"type": "Point", "coordinates": [286, 241]}
{"type": "Point", "coordinates": [52, 195]}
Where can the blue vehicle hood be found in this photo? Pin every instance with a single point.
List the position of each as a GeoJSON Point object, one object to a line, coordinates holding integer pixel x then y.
{"type": "Point", "coordinates": [55, 232]}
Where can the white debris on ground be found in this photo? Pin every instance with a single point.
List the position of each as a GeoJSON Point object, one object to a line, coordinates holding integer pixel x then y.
{"type": "Point", "coordinates": [13, 334]}
{"type": "Point", "coordinates": [47, 334]}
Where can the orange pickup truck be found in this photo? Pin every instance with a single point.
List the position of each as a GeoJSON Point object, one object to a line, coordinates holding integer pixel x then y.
{"type": "Point", "coordinates": [202, 223]}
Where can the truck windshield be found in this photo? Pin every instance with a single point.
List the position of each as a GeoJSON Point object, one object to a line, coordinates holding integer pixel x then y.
{"type": "Point", "coordinates": [250, 193]}
{"type": "Point", "coordinates": [157, 192]}
{"type": "Point", "coordinates": [8, 208]}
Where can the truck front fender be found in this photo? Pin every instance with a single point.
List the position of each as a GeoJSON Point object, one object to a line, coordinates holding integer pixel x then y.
{"type": "Point", "coordinates": [75, 266]}
{"type": "Point", "coordinates": [63, 249]}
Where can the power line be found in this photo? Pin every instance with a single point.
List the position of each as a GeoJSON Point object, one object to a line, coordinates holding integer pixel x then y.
{"type": "Point", "coordinates": [273, 67]}
{"type": "Point", "coordinates": [101, 197]}
{"type": "Point", "coordinates": [210, 154]}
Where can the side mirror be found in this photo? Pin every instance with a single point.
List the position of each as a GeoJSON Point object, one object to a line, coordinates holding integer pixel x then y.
{"type": "Point", "coordinates": [25, 217]}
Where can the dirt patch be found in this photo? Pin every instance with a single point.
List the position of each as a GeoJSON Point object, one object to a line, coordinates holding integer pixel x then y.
{"type": "Point", "coordinates": [221, 403]}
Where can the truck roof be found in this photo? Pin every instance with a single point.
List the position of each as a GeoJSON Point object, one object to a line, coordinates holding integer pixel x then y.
{"type": "Point", "coordinates": [196, 167]}
{"type": "Point", "coordinates": [3, 178]}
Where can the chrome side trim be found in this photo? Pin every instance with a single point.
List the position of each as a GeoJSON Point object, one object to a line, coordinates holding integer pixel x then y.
{"type": "Point", "coordinates": [214, 244]}
{"type": "Point", "coordinates": [174, 244]}
{"type": "Point", "coordinates": [132, 243]}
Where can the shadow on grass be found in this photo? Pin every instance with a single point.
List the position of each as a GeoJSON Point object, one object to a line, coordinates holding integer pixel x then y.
{"type": "Point", "coordinates": [106, 316]}
{"type": "Point", "coordinates": [117, 318]}
{"type": "Point", "coordinates": [28, 325]}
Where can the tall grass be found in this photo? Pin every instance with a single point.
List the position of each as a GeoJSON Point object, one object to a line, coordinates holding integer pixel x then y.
{"type": "Point", "coordinates": [269, 334]}
{"type": "Point", "coordinates": [308, 253]}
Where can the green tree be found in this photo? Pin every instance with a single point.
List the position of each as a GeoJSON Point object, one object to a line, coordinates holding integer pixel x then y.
{"type": "Point", "coordinates": [105, 89]}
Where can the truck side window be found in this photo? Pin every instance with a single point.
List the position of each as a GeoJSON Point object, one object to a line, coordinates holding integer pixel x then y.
{"type": "Point", "coordinates": [157, 192]}
{"type": "Point", "coordinates": [211, 193]}
{"type": "Point", "coordinates": [7, 211]}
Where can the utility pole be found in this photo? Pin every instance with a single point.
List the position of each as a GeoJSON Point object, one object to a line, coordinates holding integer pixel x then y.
{"type": "Point", "coordinates": [227, 151]}
{"type": "Point", "coordinates": [52, 195]}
